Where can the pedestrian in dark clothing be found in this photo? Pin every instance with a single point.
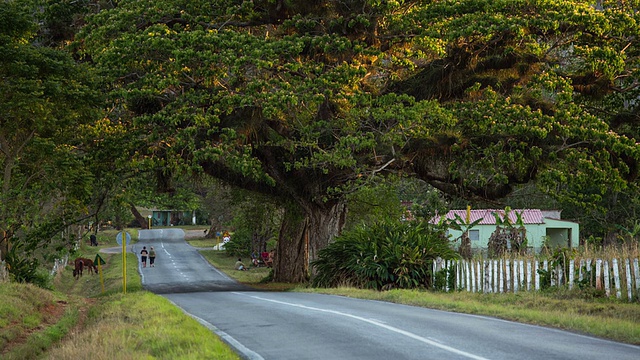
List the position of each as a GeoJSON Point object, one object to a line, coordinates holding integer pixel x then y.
{"type": "Point", "coordinates": [143, 256]}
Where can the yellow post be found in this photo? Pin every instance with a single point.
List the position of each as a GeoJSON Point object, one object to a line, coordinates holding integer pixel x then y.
{"type": "Point", "coordinates": [468, 214]}
{"type": "Point", "coordinates": [100, 272]}
{"type": "Point", "coordinates": [124, 262]}
{"type": "Point", "coordinates": [99, 261]}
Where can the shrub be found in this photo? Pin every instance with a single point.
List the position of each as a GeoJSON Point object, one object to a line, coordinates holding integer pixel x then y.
{"type": "Point", "coordinates": [386, 255]}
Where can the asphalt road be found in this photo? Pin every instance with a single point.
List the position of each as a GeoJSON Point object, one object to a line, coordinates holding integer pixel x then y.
{"type": "Point", "coordinates": [274, 325]}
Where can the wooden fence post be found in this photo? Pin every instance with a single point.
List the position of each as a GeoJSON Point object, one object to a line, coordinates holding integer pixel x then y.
{"type": "Point", "coordinates": [607, 281]}
{"type": "Point", "coordinates": [627, 267]}
{"type": "Point", "coordinates": [459, 275]}
{"type": "Point", "coordinates": [636, 274]}
{"type": "Point", "coordinates": [616, 277]}
{"type": "Point", "coordinates": [570, 276]}
{"type": "Point", "coordinates": [496, 270]}
{"type": "Point", "coordinates": [479, 276]}
{"type": "Point", "coordinates": [508, 275]}
{"type": "Point", "coordinates": [486, 287]}
{"type": "Point", "coordinates": [598, 274]}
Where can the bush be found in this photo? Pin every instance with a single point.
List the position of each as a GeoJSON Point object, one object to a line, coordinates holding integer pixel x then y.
{"type": "Point", "coordinates": [386, 255]}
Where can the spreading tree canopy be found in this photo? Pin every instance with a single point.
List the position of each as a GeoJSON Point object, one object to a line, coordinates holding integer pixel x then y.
{"type": "Point", "coordinates": [305, 100]}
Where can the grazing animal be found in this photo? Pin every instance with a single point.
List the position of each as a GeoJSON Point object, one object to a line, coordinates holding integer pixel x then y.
{"type": "Point", "coordinates": [88, 263]}
{"type": "Point", "coordinates": [79, 265]}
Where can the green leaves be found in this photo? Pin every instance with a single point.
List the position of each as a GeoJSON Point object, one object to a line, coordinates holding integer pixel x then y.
{"type": "Point", "coordinates": [387, 254]}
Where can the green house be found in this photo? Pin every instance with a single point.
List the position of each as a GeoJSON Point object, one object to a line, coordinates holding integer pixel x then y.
{"type": "Point", "coordinates": [160, 217]}
{"type": "Point", "coordinates": [543, 227]}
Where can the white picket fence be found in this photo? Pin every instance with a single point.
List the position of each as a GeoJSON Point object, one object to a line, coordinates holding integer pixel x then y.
{"type": "Point", "coordinates": [621, 276]}
{"type": "Point", "coordinates": [59, 265]}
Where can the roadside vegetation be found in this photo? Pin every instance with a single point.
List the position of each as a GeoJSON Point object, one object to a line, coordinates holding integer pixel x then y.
{"type": "Point", "coordinates": [77, 317]}
{"type": "Point", "coordinates": [576, 310]}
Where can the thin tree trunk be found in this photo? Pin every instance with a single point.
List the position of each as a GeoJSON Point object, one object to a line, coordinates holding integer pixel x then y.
{"type": "Point", "coordinates": [143, 221]}
{"type": "Point", "coordinates": [211, 233]}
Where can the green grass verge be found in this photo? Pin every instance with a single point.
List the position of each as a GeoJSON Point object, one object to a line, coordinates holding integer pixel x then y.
{"type": "Point", "coordinates": [103, 324]}
{"type": "Point", "coordinates": [257, 277]}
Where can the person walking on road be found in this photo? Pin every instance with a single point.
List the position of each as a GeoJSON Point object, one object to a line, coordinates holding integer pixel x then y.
{"type": "Point", "coordinates": [152, 256]}
{"type": "Point", "coordinates": [143, 256]}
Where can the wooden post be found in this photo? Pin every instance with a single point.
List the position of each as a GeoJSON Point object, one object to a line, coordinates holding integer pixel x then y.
{"type": "Point", "coordinates": [501, 276]}
{"type": "Point", "coordinates": [598, 274]}
{"type": "Point", "coordinates": [636, 274]}
{"type": "Point", "coordinates": [529, 275]}
{"type": "Point", "coordinates": [459, 277]}
{"type": "Point", "coordinates": [570, 275]}
{"type": "Point", "coordinates": [466, 268]}
{"type": "Point", "coordinates": [536, 275]}
{"type": "Point", "coordinates": [479, 276]}
{"type": "Point", "coordinates": [496, 269]}
{"type": "Point", "coordinates": [487, 276]}
{"type": "Point", "coordinates": [507, 274]}
{"type": "Point", "coordinates": [627, 266]}
{"type": "Point", "coordinates": [472, 269]}
{"type": "Point", "coordinates": [522, 274]}
{"type": "Point", "coordinates": [516, 276]}
{"type": "Point", "coordinates": [616, 277]}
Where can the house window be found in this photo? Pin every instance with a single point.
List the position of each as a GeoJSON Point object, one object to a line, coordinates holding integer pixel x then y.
{"type": "Point", "coordinates": [474, 235]}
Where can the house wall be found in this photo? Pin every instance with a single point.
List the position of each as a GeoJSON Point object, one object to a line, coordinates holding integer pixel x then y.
{"type": "Point", "coordinates": [535, 236]}
{"type": "Point", "coordinates": [562, 233]}
{"type": "Point", "coordinates": [169, 217]}
{"type": "Point", "coordinates": [558, 231]}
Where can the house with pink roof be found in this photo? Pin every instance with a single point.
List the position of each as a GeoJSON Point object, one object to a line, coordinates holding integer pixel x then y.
{"type": "Point", "coordinates": [543, 227]}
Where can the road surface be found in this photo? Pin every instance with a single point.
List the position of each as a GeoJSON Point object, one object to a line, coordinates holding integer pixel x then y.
{"type": "Point", "coordinates": [277, 325]}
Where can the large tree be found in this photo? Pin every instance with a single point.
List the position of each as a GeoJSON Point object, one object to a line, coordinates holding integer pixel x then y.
{"type": "Point", "coordinates": [45, 97]}
{"type": "Point", "coordinates": [307, 100]}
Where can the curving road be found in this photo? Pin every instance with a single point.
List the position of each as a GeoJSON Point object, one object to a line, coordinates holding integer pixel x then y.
{"type": "Point", "coordinates": [274, 325]}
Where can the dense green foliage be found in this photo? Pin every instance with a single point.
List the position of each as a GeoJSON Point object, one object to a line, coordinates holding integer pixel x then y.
{"type": "Point", "coordinates": [386, 255]}
{"type": "Point", "coordinates": [45, 100]}
{"type": "Point", "coordinates": [309, 101]}
{"type": "Point", "coordinates": [306, 101]}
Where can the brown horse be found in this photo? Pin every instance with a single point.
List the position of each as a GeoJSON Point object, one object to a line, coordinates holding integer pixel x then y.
{"type": "Point", "coordinates": [89, 264]}
{"type": "Point", "coordinates": [78, 266]}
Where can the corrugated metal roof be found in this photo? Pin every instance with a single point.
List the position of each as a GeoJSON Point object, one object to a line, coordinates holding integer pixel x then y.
{"type": "Point", "coordinates": [529, 216]}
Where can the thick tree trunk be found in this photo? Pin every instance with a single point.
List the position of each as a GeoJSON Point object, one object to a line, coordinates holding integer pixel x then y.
{"type": "Point", "coordinates": [305, 231]}
{"type": "Point", "coordinates": [290, 263]}
{"type": "Point", "coordinates": [143, 221]}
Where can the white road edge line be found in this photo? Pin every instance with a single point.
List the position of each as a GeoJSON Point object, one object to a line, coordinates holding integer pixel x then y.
{"type": "Point", "coordinates": [376, 323]}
